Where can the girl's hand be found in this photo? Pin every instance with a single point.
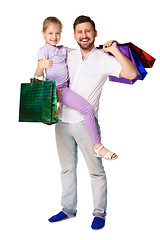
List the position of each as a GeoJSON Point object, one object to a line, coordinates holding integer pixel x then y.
{"type": "Point", "coordinates": [45, 63]}
{"type": "Point", "coordinates": [110, 46]}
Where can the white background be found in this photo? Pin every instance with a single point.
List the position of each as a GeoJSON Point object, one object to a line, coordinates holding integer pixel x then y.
{"type": "Point", "coordinates": [30, 185]}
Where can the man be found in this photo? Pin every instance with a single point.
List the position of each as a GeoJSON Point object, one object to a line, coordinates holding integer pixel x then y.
{"type": "Point", "coordinates": [88, 70]}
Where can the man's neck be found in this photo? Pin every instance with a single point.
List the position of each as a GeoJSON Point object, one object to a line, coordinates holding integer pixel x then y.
{"type": "Point", "coordinates": [85, 52]}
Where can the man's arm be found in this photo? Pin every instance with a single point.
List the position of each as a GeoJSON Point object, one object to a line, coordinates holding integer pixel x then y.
{"type": "Point", "coordinates": [128, 68]}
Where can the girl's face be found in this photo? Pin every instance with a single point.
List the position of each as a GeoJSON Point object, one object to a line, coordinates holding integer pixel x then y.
{"type": "Point", "coordinates": [52, 34]}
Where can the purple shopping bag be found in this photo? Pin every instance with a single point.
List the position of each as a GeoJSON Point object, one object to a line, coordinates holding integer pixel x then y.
{"type": "Point", "coordinates": [138, 57]}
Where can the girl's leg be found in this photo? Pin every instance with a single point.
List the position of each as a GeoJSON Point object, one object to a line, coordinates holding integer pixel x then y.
{"type": "Point", "coordinates": [77, 102]}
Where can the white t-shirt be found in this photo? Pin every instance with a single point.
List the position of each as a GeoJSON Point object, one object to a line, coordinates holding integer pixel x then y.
{"type": "Point", "coordinates": [87, 78]}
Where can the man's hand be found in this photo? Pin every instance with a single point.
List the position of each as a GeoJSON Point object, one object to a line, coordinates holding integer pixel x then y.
{"type": "Point", "coordinates": [59, 93]}
{"type": "Point", "coordinates": [128, 69]}
{"type": "Point", "coordinates": [45, 63]}
{"type": "Point", "coordinates": [110, 46]}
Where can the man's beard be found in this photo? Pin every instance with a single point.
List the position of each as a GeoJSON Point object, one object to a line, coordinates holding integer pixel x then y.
{"type": "Point", "coordinates": [86, 46]}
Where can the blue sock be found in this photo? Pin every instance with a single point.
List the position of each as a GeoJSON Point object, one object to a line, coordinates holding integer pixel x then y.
{"type": "Point", "coordinates": [98, 223]}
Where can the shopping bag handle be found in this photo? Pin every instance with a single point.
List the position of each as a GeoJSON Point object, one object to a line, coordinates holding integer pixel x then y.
{"type": "Point", "coordinates": [43, 78]}
{"type": "Point", "coordinates": [101, 46]}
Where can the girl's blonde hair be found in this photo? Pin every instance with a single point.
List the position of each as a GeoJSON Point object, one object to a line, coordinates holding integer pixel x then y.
{"type": "Point", "coordinates": [49, 20]}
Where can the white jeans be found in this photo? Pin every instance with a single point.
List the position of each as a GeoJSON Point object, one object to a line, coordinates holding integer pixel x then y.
{"type": "Point", "coordinates": [69, 136]}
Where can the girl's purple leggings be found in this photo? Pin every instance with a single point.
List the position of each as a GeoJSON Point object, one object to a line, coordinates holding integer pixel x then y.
{"type": "Point", "coordinates": [77, 102]}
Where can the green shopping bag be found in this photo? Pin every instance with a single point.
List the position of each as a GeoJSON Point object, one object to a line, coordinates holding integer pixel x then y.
{"type": "Point", "coordinates": [38, 102]}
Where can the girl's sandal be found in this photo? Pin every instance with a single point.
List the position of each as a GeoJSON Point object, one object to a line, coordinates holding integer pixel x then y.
{"type": "Point", "coordinates": [108, 156]}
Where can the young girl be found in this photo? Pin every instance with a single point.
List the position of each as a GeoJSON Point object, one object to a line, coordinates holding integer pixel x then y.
{"type": "Point", "coordinates": [52, 58]}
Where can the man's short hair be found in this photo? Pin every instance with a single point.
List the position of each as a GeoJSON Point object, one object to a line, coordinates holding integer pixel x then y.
{"type": "Point", "coordinates": [83, 19]}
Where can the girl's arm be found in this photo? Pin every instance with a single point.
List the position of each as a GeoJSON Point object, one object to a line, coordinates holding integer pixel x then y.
{"type": "Point", "coordinates": [39, 70]}
{"type": "Point", "coordinates": [42, 64]}
{"type": "Point", "coordinates": [72, 49]}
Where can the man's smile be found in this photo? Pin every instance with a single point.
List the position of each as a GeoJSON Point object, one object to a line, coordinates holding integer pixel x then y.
{"type": "Point", "coordinates": [85, 40]}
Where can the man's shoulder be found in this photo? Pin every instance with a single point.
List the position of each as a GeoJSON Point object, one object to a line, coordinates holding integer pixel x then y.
{"type": "Point", "coordinates": [73, 52]}
{"type": "Point", "coordinates": [100, 53]}
{"type": "Point", "coordinates": [99, 56]}
{"type": "Point", "coordinates": [73, 55]}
